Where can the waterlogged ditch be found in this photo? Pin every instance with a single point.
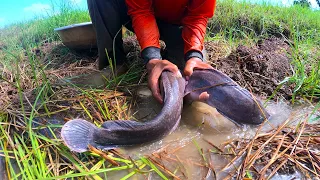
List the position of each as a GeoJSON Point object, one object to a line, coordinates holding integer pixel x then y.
{"type": "Point", "coordinates": [194, 150]}
{"type": "Point", "coordinates": [204, 143]}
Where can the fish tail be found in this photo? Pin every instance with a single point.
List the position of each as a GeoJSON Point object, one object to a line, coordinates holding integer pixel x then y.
{"type": "Point", "coordinates": [78, 134]}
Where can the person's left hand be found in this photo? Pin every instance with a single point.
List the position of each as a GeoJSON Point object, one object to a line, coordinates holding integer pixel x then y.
{"type": "Point", "coordinates": [195, 63]}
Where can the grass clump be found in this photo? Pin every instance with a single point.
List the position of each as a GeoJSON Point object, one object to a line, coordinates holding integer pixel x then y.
{"type": "Point", "coordinates": [245, 23]}
{"type": "Point", "coordinates": [243, 20]}
{"type": "Point", "coordinates": [25, 36]}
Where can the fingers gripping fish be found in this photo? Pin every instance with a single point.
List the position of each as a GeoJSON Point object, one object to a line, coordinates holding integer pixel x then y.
{"type": "Point", "coordinates": [210, 86]}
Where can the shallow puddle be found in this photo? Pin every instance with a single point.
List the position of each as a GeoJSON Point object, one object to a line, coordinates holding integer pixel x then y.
{"type": "Point", "coordinates": [192, 146]}
{"type": "Point", "coordinates": [200, 127]}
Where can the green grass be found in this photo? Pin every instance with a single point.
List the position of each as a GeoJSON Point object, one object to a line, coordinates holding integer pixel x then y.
{"type": "Point", "coordinates": [39, 157]}
{"type": "Point", "coordinates": [243, 23]}
{"type": "Point", "coordinates": [242, 20]}
{"type": "Point", "coordinates": [23, 36]}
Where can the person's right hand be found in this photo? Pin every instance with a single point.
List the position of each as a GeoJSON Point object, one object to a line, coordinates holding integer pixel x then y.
{"type": "Point", "coordinates": [155, 68]}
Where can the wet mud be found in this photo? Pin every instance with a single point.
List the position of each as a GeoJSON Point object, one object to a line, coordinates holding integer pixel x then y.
{"type": "Point", "coordinates": [198, 141]}
{"type": "Point", "coordinates": [260, 69]}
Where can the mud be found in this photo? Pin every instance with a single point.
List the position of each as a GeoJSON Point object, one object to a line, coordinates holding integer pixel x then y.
{"type": "Point", "coordinates": [55, 55]}
{"type": "Point", "coordinates": [260, 68]}
{"type": "Point", "coordinates": [200, 124]}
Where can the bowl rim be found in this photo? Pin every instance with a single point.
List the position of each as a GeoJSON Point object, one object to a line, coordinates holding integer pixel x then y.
{"type": "Point", "coordinates": [72, 26]}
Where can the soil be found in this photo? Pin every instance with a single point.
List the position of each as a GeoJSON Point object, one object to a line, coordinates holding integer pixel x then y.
{"type": "Point", "coordinates": [59, 62]}
{"type": "Point", "coordinates": [260, 68]}
{"type": "Point", "coordinates": [55, 55]}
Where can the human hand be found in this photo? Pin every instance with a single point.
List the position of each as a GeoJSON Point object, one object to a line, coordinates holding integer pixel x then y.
{"type": "Point", "coordinates": [195, 63]}
{"type": "Point", "coordinates": [155, 68]}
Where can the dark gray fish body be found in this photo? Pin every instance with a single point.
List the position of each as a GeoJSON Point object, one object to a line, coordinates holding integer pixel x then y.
{"type": "Point", "coordinates": [78, 134]}
{"type": "Point", "coordinates": [230, 99]}
{"type": "Point", "coordinates": [3, 171]}
{"type": "Point", "coordinates": [225, 95]}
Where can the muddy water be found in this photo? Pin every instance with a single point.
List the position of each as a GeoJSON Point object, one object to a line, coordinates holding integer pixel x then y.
{"type": "Point", "coordinates": [200, 123]}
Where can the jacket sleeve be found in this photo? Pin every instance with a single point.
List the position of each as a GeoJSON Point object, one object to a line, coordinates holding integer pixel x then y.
{"type": "Point", "coordinates": [194, 26]}
{"type": "Point", "coordinates": [145, 27]}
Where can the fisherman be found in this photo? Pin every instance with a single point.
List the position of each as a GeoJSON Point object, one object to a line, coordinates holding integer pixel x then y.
{"type": "Point", "coordinates": [181, 24]}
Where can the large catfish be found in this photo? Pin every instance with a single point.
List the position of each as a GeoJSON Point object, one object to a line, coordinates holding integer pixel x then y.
{"type": "Point", "coordinates": [210, 86]}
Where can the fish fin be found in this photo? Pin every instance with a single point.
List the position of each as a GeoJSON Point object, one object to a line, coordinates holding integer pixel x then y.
{"type": "Point", "coordinates": [121, 124]}
{"type": "Point", "coordinates": [106, 147]}
{"type": "Point", "coordinates": [239, 124]}
{"type": "Point", "coordinates": [78, 134]}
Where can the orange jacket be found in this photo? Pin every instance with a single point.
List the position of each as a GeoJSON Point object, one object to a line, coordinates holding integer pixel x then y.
{"type": "Point", "coordinates": [191, 14]}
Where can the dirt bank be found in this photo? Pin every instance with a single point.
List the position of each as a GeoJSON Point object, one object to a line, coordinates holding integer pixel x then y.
{"type": "Point", "coordinates": [260, 68]}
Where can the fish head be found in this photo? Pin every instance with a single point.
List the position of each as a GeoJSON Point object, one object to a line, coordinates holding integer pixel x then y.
{"type": "Point", "coordinates": [200, 82]}
{"type": "Point", "coordinates": [220, 91]}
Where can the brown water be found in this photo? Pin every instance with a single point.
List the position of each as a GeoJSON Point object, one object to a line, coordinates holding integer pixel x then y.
{"type": "Point", "coordinates": [199, 123]}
